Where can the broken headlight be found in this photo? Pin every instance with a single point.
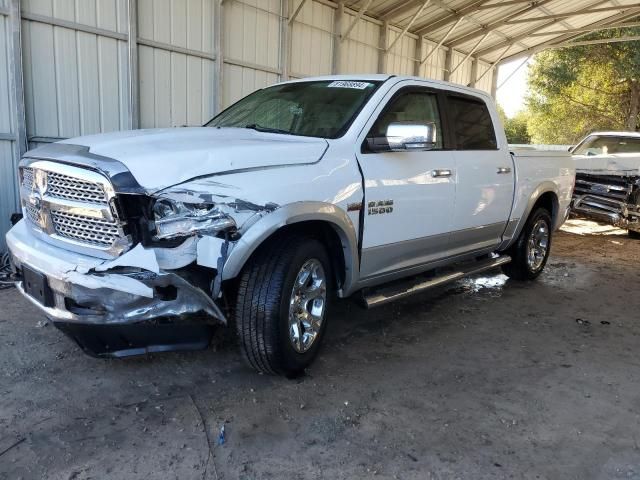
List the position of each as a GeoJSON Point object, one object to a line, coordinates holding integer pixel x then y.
{"type": "Point", "coordinates": [176, 219]}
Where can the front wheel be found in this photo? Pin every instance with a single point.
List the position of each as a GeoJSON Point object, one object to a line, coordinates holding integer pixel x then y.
{"type": "Point", "coordinates": [282, 303]}
{"type": "Point", "coordinates": [530, 252]}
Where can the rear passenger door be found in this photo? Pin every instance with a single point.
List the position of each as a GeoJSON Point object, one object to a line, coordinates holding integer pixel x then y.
{"type": "Point", "coordinates": [485, 175]}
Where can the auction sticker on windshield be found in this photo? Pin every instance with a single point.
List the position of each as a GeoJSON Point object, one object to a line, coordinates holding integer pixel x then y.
{"type": "Point", "coordinates": [347, 84]}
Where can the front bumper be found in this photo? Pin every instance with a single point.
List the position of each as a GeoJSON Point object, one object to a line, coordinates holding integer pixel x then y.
{"type": "Point", "coordinates": [108, 313]}
{"type": "Point", "coordinates": [615, 212]}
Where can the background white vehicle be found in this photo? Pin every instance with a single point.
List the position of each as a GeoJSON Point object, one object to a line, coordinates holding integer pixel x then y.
{"type": "Point", "coordinates": [141, 241]}
{"type": "Point", "coordinates": [608, 179]}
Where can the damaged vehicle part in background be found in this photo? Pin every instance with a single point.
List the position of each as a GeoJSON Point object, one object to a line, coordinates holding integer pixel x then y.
{"type": "Point", "coordinates": [146, 240]}
{"type": "Point", "coordinates": [608, 179]}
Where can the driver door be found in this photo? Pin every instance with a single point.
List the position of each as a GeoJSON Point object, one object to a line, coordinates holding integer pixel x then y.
{"type": "Point", "coordinates": [409, 195]}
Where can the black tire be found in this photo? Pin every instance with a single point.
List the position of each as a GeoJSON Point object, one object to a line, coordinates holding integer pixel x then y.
{"type": "Point", "coordinates": [633, 234]}
{"type": "Point", "coordinates": [519, 267]}
{"type": "Point", "coordinates": [263, 302]}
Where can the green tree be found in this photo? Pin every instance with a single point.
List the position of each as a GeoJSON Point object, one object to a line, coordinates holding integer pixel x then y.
{"type": "Point", "coordinates": [516, 128]}
{"type": "Point", "coordinates": [574, 91]}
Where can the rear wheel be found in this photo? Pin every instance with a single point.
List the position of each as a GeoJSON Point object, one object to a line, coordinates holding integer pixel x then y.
{"type": "Point", "coordinates": [282, 303]}
{"type": "Point", "coordinates": [530, 252]}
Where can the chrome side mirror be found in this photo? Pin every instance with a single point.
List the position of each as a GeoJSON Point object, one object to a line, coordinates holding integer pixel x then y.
{"type": "Point", "coordinates": [405, 136]}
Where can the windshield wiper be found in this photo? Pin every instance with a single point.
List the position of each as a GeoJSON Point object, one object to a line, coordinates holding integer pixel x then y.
{"type": "Point", "coordinates": [260, 128]}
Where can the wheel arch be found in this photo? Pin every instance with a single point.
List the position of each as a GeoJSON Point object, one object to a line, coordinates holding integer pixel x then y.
{"type": "Point", "coordinates": [545, 195]}
{"type": "Point", "coordinates": [323, 220]}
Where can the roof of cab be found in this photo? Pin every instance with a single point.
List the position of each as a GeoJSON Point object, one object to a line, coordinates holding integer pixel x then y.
{"type": "Point", "coordinates": [616, 134]}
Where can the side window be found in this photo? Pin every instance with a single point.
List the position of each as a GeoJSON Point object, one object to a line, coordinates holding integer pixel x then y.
{"type": "Point", "coordinates": [471, 123]}
{"type": "Point", "coordinates": [414, 107]}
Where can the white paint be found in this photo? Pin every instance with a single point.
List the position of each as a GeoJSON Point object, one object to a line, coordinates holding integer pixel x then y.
{"type": "Point", "coordinates": [120, 283]}
{"type": "Point", "coordinates": [209, 251]}
{"type": "Point", "coordinates": [138, 257]}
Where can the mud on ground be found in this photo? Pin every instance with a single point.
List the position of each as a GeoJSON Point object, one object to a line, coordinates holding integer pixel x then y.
{"type": "Point", "coordinates": [484, 379]}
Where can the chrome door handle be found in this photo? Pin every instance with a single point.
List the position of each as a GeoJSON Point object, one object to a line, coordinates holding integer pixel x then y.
{"type": "Point", "coordinates": [442, 172]}
{"type": "Point", "coordinates": [504, 170]}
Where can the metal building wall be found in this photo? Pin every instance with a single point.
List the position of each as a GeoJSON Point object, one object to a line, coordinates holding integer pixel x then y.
{"type": "Point", "coordinates": [83, 72]}
{"type": "Point", "coordinates": [8, 194]}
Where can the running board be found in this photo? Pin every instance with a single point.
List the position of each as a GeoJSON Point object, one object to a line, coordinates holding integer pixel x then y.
{"type": "Point", "coordinates": [397, 291]}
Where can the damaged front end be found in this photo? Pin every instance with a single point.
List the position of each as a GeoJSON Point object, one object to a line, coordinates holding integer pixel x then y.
{"type": "Point", "coordinates": [158, 291]}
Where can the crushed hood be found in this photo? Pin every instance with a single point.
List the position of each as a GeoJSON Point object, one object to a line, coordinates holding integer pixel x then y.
{"type": "Point", "coordinates": [615, 164]}
{"type": "Point", "coordinates": [163, 157]}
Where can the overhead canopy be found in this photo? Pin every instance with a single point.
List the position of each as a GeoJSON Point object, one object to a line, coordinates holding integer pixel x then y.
{"type": "Point", "coordinates": [495, 30]}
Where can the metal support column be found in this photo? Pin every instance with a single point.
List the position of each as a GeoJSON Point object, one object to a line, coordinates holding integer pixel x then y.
{"type": "Point", "coordinates": [448, 60]}
{"type": "Point", "coordinates": [337, 37]}
{"type": "Point", "coordinates": [218, 50]}
{"type": "Point", "coordinates": [134, 78]}
{"type": "Point", "coordinates": [419, 53]}
{"type": "Point", "coordinates": [474, 72]}
{"type": "Point", "coordinates": [494, 82]}
{"type": "Point", "coordinates": [383, 52]}
{"type": "Point", "coordinates": [16, 82]}
{"type": "Point", "coordinates": [285, 40]}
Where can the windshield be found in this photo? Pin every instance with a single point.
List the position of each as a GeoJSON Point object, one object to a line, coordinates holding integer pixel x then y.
{"type": "Point", "coordinates": [314, 109]}
{"type": "Point", "coordinates": [597, 145]}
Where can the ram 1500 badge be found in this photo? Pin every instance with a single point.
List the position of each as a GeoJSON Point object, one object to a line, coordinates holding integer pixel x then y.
{"type": "Point", "coordinates": [145, 240]}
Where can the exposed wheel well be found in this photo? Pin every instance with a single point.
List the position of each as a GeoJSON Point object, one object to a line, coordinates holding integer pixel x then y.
{"type": "Point", "coordinates": [549, 201]}
{"type": "Point", "coordinates": [323, 231]}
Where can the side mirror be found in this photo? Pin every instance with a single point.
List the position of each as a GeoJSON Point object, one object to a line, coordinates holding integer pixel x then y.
{"type": "Point", "coordinates": [405, 136]}
{"type": "Point", "coordinates": [570, 149]}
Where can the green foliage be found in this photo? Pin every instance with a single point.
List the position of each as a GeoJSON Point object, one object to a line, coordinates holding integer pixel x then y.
{"type": "Point", "coordinates": [574, 91]}
{"type": "Point", "coordinates": [516, 128]}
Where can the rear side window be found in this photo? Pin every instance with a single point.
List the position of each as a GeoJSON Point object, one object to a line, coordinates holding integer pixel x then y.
{"type": "Point", "coordinates": [471, 123]}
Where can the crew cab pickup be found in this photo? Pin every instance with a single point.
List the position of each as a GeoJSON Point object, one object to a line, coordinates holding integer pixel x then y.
{"type": "Point", "coordinates": [145, 240]}
{"type": "Point", "coordinates": [608, 179]}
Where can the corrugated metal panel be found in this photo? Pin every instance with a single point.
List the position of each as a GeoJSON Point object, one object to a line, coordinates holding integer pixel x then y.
{"type": "Point", "coordinates": [462, 73]}
{"type": "Point", "coordinates": [486, 81]}
{"type": "Point", "coordinates": [175, 88]}
{"type": "Point", "coordinates": [434, 67]}
{"type": "Point", "coordinates": [251, 38]}
{"type": "Point", "coordinates": [360, 50]}
{"type": "Point", "coordinates": [74, 81]}
{"type": "Point", "coordinates": [312, 40]}
{"type": "Point", "coordinates": [8, 194]}
{"type": "Point", "coordinates": [401, 60]}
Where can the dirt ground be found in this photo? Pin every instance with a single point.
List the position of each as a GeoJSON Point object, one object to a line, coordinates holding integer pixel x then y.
{"type": "Point", "coordinates": [484, 379]}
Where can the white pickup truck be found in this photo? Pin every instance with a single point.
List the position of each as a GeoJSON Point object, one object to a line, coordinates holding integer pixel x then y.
{"type": "Point", "coordinates": [608, 179]}
{"type": "Point", "coordinates": [143, 241]}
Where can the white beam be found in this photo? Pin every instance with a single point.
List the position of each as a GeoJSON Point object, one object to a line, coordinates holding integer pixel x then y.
{"type": "Point", "coordinates": [475, 47]}
{"type": "Point", "coordinates": [285, 41]}
{"type": "Point", "coordinates": [297, 11]}
{"type": "Point", "coordinates": [132, 59]}
{"type": "Point", "coordinates": [454, 16]}
{"type": "Point", "coordinates": [338, 19]}
{"type": "Point", "coordinates": [493, 66]}
{"type": "Point", "coordinates": [449, 32]}
{"type": "Point", "coordinates": [585, 29]}
{"type": "Point", "coordinates": [218, 49]}
{"type": "Point", "coordinates": [16, 85]}
{"type": "Point", "coordinates": [357, 18]}
{"type": "Point", "coordinates": [592, 11]}
{"type": "Point", "coordinates": [409, 25]}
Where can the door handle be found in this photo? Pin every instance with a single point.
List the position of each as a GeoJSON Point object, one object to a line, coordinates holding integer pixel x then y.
{"type": "Point", "coordinates": [504, 170]}
{"type": "Point", "coordinates": [442, 172]}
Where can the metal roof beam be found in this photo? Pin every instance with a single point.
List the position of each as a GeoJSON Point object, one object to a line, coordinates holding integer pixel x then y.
{"type": "Point", "coordinates": [507, 3]}
{"type": "Point", "coordinates": [493, 65]}
{"type": "Point", "coordinates": [297, 11]}
{"type": "Point", "coordinates": [572, 36]}
{"type": "Point", "coordinates": [585, 30]}
{"type": "Point", "coordinates": [357, 18]}
{"type": "Point", "coordinates": [565, 15]}
{"type": "Point", "coordinates": [469, 54]}
{"type": "Point", "coordinates": [424, 5]}
{"type": "Point", "coordinates": [454, 15]}
{"type": "Point", "coordinates": [496, 24]}
{"type": "Point", "coordinates": [437, 47]}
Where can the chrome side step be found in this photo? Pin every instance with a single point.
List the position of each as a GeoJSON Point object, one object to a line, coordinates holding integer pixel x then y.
{"type": "Point", "coordinates": [397, 291]}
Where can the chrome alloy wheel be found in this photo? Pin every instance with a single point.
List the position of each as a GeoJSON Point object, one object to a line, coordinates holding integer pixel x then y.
{"type": "Point", "coordinates": [538, 245]}
{"type": "Point", "coordinates": [307, 305]}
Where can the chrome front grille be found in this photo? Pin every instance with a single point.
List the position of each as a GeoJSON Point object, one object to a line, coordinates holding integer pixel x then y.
{"type": "Point", "coordinates": [86, 229]}
{"type": "Point", "coordinates": [71, 188]}
{"type": "Point", "coordinates": [73, 207]}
